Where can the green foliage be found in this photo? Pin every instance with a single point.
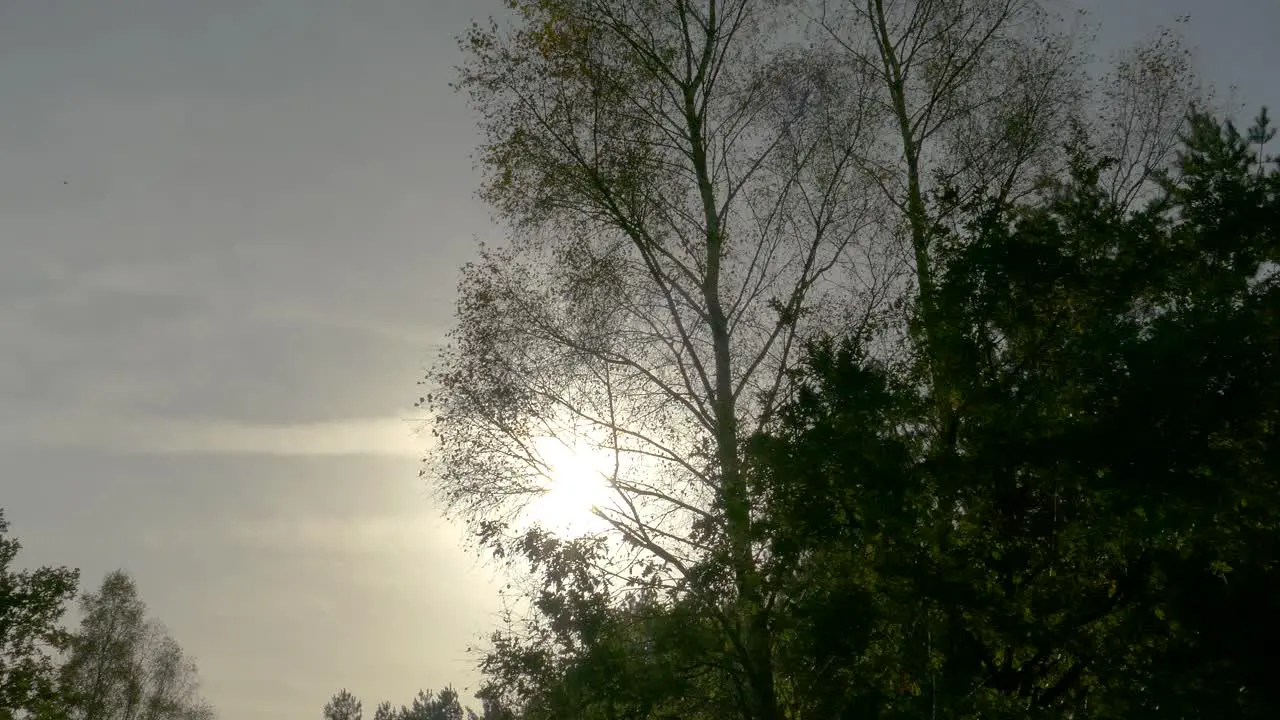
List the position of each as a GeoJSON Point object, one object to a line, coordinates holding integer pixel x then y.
{"type": "Point", "coordinates": [1090, 534]}
{"type": "Point", "coordinates": [1095, 532]}
{"type": "Point", "coordinates": [1035, 420]}
{"type": "Point", "coordinates": [385, 711]}
{"type": "Point", "coordinates": [445, 704]}
{"type": "Point", "coordinates": [343, 706]}
{"type": "Point", "coordinates": [117, 665]}
{"type": "Point", "coordinates": [122, 665]}
{"type": "Point", "coordinates": [32, 603]}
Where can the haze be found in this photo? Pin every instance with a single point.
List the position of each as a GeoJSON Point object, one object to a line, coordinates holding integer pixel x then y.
{"type": "Point", "coordinates": [229, 233]}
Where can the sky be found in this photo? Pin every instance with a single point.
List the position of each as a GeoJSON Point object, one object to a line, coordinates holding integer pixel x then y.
{"type": "Point", "coordinates": [229, 237]}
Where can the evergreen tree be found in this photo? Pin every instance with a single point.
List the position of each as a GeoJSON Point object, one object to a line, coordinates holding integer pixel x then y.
{"type": "Point", "coordinates": [1089, 538]}
{"type": "Point", "coordinates": [343, 706]}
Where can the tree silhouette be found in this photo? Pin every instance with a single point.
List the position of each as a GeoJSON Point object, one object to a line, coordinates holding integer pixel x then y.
{"type": "Point", "coordinates": [343, 706]}
{"type": "Point", "coordinates": [122, 665]}
{"type": "Point", "coordinates": [32, 603]}
{"type": "Point", "coordinates": [692, 198]}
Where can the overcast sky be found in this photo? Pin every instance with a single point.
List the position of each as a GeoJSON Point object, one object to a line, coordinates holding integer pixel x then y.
{"type": "Point", "coordinates": [229, 236]}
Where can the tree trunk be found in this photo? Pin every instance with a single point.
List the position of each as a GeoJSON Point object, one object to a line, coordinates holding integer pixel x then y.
{"type": "Point", "coordinates": [754, 636]}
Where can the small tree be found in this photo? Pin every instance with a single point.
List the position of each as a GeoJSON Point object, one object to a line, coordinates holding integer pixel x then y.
{"type": "Point", "coordinates": [124, 666]}
{"type": "Point", "coordinates": [32, 603]}
{"type": "Point", "coordinates": [443, 705]}
{"type": "Point", "coordinates": [385, 711]}
{"type": "Point", "coordinates": [343, 706]}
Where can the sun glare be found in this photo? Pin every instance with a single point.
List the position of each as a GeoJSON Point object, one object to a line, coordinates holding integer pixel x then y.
{"type": "Point", "coordinates": [575, 484]}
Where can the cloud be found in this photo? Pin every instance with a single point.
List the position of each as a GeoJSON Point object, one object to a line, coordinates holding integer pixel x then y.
{"type": "Point", "coordinates": [354, 436]}
{"type": "Point", "coordinates": [333, 535]}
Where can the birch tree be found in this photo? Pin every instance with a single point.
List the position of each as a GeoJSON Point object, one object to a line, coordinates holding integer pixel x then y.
{"type": "Point", "coordinates": [123, 665]}
{"type": "Point", "coordinates": [1142, 111]}
{"type": "Point", "coordinates": [679, 211]}
{"type": "Point", "coordinates": [971, 97]}
{"type": "Point", "coordinates": [979, 99]}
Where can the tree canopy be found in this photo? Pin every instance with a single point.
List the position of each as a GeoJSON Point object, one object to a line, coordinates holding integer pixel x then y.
{"type": "Point", "coordinates": [860, 298]}
{"type": "Point", "coordinates": [118, 664]}
{"type": "Point", "coordinates": [124, 665]}
{"type": "Point", "coordinates": [1086, 530]}
{"type": "Point", "coordinates": [32, 603]}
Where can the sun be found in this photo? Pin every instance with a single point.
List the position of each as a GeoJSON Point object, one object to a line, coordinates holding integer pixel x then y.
{"type": "Point", "coordinates": [576, 483]}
